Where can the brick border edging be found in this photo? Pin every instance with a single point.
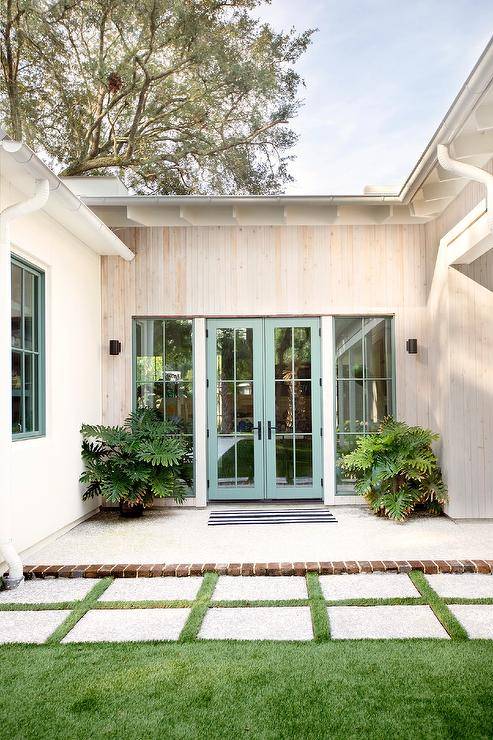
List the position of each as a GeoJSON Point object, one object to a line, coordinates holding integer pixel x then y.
{"type": "Point", "coordinates": [123, 570]}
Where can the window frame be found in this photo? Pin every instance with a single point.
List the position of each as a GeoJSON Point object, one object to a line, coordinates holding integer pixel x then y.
{"type": "Point", "coordinates": [393, 395]}
{"type": "Point", "coordinates": [191, 493]}
{"type": "Point", "coordinates": [40, 329]}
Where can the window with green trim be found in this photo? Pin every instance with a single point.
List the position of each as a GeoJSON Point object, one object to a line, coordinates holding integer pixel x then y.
{"type": "Point", "coordinates": [27, 315]}
{"type": "Point", "coordinates": [364, 383]}
{"type": "Point", "coordinates": [163, 370]}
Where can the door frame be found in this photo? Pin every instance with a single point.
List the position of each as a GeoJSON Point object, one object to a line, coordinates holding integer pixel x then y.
{"type": "Point", "coordinates": [265, 489]}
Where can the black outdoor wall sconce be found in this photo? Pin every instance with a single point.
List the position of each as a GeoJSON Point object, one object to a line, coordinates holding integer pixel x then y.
{"type": "Point", "coordinates": [412, 346]}
{"type": "Point", "coordinates": [115, 346]}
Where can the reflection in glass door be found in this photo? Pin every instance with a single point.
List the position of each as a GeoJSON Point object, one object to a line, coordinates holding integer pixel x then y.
{"type": "Point", "coordinates": [264, 409]}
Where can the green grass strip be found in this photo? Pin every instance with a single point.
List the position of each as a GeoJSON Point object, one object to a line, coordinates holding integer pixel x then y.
{"type": "Point", "coordinates": [81, 608]}
{"type": "Point", "coordinates": [260, 602]}
{"type": "Point", "coordinates": [57, 605]}
{"type": "Point", "coordinates": [318, 608]}
{"type": "Point", "coordinates": [394, 601]}
{"type": "Point", "coordinates": [199, 609]}
{"type": "Point", "coordinates": [147, 604]}
{"type": "Point", "coordinates": [441, 610]}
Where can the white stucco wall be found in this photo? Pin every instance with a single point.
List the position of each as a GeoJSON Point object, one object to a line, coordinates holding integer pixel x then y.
{"type": "Point", "coordinates": [46, 496]}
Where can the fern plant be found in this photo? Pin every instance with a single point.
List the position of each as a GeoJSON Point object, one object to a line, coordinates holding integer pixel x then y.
{"type": "Point", "coordinates": [397, 471]}
{"type": "Point", "coordinates": [147, 457]}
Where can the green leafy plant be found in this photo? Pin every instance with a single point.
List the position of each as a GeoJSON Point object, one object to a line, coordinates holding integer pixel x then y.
{"type": "Point", "coordinates": [147, 457]}
{"type": "Point", "coordinates": [397, 471]}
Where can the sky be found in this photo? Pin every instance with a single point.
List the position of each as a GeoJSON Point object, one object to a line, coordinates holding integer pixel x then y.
{"type": "Point", "coordinates": [380, 76]}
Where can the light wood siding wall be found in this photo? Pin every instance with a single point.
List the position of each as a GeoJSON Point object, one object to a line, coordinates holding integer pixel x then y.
{"type": "Point", "coordinates": [460, 315]}
{"type": "Point", "coordinates": [235, 271]}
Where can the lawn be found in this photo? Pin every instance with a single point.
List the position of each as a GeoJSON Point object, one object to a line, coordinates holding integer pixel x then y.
{"type": "Point", "coordinates": [418, 689]}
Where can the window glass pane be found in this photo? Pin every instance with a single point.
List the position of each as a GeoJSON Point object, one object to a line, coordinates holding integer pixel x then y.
{"type": "Point", "coordinates": [244, 354]}
{"type": "Point", "coordinates": [16, 306]}
{"type": "Point", "coordinates": [28, 393]}
{"type": "Point", "coordinates": [225, 407]}
{"type": "Point", "coordinates": [283, 343]}
{"type": "Point", "coordinates": [17, 393]}
{"type": "Point", "coordinates": [178, 349]}
{"type": "Point", "coordinates": [304, 460]}
{"type": "Point", "coordinates": [225, 354]}
{"type": "Point", "coordinates": [349, 347]}
{"type": "Point", "coordinates": [179, 405]}
{"type": "Point", "coordinates": [378, 395]}
{"type": "Point", "coordinates": [151, 395]}
{"type": "Point", "coordinates": [344, 443]}
{"type": "Point", "coordinates": [149, 351]}
{"type": "Point", "coordinates": [378, 351]}
{"type": "Point", "coordinates": [349, 406]}
{"type": "Point", "coordinates": [302, 352]}
{"type": "Point", "coordinates": [284, 460]}
{"type": "Point", "coordinates": [29, 301]}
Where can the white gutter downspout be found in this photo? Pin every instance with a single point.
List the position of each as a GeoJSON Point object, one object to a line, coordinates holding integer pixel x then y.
{"type": "Point", "coordinates": [7, 549]}
{"type": "Point", "coordinates": [471, 173]}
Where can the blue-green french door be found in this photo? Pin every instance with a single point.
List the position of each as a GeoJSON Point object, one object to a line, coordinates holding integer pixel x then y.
{"type": "Point", "coordinates": [264, 409]}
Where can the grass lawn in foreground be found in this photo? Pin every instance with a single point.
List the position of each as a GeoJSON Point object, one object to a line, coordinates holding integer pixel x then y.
{"type": "Point", "coordinates": [415, 689]}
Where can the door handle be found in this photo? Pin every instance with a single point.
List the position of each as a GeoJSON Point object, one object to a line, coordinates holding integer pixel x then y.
{"type": "Point", "coordinates": [258, 429]}
{"type": "Point", "coordinates": [270, 428]}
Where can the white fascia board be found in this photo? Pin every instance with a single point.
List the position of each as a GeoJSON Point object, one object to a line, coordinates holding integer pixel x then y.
{"type": "Point", "coordinates": [62, 206]}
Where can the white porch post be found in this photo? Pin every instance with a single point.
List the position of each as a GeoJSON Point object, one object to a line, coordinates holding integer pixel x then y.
{"type": "Point", "coordinates": [328, 408]}
{"type": "Point", "coordinates": [200, 412]}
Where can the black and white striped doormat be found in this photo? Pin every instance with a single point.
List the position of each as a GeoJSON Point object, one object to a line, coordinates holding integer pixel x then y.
{"type": "Point", "coordinates": [271, 516]}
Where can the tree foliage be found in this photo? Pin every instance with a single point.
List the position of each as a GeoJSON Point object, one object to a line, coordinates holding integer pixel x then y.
{"type": "Point", "coordinates": [397, 471]}
{"type": "Point", "coordinates": [175, 96]}
{"type": "Point", "coordinates": [143, 459]}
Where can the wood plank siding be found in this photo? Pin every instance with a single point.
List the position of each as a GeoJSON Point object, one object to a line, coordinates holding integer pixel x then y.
{"type": "Point", "coordinates": [326, 270]}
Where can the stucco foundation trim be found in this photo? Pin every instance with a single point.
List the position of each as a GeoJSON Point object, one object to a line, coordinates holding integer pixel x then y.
{"type": "Point", "coordinates": [149, 570]}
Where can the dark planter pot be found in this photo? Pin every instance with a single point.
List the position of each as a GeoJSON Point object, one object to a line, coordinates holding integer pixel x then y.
{"type": "Point", "coordinates": [131, 512]}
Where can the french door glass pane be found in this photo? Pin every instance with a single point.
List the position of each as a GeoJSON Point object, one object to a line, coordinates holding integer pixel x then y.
{"type": "Point", "coordinates": [284, 460]}
{"type": "Point", "coordinates": [225, 354]}
{"type": "Point", "coordinates": [304, 460]}
{"type": "Point", "coordinates": [284, 406]}
{"type": "Point", "coordinates": [302, 352]}
{"type": "Point", "coordinates": [302, 396]}
{"type": "Point", "coordinates": [225, 412]}
{"type": "Point", "coordinates": [244, 407]}
{"type": "Point", "coordinates": [283, 339]}
{"type": "Point", "coordinates": [235, 407]}
{"type": "Point", "coordinates": [244, 354]}
{"type": "Point", "coordinates": [226, 461]}
{"type": "Point", "coordinates": [245, 461]}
